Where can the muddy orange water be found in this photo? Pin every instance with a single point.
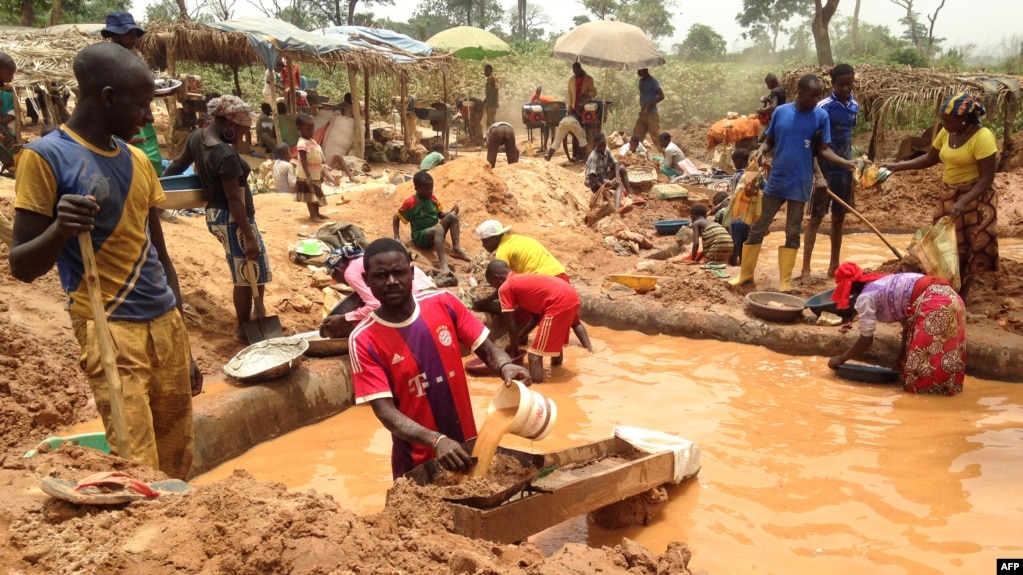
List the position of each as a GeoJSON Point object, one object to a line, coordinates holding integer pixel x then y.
{"type": "Point", "coordinates": [493, 430]}
{"type": "Point", "coordinates": [802, 472]}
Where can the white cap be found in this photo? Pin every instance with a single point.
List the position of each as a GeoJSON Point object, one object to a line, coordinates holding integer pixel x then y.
{"type": "Point", "coordinates": [490, 229]}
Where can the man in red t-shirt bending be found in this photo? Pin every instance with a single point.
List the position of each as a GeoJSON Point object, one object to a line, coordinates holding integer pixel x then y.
{"type": "Point", "coordinates": [553, 303]}
{"type": "Point", "coordinates": [407, 363]}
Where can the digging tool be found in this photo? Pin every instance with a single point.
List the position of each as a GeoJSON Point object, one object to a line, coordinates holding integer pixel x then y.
{"type": "Point", "coordinates": [872, 227]}
{"type": "Point", "coordinates": [108, 358]}
{"type": "Point", "coordinates": [262, 327]}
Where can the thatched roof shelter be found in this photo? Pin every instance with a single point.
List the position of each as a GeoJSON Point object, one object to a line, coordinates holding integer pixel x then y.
{"type": "Point", "coordinates": [240, 43]}
{"type": "Point", "coordinates": [888, 94]}
{"type": "Point", "coordinates": [42, 54]}
{"type": "Point", "coordinates": [262, 41]}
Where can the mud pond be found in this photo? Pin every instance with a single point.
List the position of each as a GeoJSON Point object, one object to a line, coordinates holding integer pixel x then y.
{"type": "Point", "coordinates": [802, 472]}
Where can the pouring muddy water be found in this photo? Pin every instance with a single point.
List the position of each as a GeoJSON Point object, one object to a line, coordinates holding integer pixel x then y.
{"type": "Point", "coordinates": [516, 409]}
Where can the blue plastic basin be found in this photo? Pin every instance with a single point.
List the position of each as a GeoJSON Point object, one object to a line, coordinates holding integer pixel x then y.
{"type": "Point", "coordinates": [670, 227]}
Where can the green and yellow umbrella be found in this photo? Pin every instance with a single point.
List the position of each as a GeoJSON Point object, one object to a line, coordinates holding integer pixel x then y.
{"type": "Point", "coordinates": [470, 43]}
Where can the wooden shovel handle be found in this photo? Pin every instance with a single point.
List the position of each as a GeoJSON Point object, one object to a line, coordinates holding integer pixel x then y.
{"type": "Point", "coordinates": [108, 357]}
{"type": "Point", "coordinates": [851, 209]}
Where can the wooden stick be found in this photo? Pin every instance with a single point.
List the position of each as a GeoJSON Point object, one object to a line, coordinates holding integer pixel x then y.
{"type": "Point", "coordinates": [108, 358]}
{"type": "Point", "coordinates": [895, 251]}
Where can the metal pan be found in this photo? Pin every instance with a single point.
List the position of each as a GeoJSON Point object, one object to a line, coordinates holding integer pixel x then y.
{"type": "Point", "coordinates": [863, 373]}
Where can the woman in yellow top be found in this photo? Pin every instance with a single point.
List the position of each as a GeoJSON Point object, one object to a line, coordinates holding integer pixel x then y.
{"type": "Point", "coordinates": [967, 151]}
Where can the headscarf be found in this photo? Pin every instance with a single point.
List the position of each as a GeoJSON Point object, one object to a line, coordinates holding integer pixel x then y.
{"type": "Point", "coordinates": [963, 105]}
{"type": "Point", "coordinates": [344, 253]}
{"type": "Point", "coordinates": [231, 108]}
{"type": "Point", "coordinates": [845, 276]}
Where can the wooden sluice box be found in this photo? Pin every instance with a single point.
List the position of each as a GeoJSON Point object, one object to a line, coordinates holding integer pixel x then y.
{"type": "Point", "coordinates": [571, 482]}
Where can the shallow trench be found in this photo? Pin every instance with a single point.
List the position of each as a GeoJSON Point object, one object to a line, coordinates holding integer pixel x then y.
{"type": "Point", "coordinates": [802, 472]}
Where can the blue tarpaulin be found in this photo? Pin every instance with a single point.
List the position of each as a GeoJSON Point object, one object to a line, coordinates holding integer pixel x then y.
{"type": "Point", "coordinates": [398, 47]}
{"type": "Point", "coordinates": [269, 37]}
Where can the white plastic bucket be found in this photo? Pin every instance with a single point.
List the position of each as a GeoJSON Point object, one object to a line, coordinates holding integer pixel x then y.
{"type": "Point", "coordinates": [535, 414]}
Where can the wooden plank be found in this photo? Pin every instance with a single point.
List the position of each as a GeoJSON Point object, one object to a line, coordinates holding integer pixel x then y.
{"type": "Point", "coordinates": [517, 520]}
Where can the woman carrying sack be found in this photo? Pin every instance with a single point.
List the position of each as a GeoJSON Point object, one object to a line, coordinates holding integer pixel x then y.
{"type": "Point", "coordinates": [967, 152]}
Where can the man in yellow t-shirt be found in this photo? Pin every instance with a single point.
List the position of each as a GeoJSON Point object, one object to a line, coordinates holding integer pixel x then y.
{"type": "Point", "coordinates": [523, 255]}
{"type": "Point", "coordinates": [81, 179]}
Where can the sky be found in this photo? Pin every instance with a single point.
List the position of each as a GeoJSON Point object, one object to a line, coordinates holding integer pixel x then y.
{"type": "Point", "coordinates": [983, 23]}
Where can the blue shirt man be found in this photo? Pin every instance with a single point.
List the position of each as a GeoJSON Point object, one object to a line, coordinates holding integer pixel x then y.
{"type": "Point", "coordinates": [650, 94]}
{"type": "Point", "coordinates": [841, 108]}
{"type": "Point", "coordinates": [794, 133]}
{"type": "Point", "coordinates": [797, 132]}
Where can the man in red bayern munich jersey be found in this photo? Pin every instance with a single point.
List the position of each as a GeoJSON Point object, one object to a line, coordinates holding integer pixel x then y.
{"type": "Point", "coordinates": [407, 363]}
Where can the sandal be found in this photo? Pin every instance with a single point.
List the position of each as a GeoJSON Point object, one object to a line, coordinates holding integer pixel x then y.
{"type": "Point", "coordinates": [111, 488]}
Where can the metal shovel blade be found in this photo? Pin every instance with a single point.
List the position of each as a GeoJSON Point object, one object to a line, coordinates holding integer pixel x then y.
{"type": "Point", "coordinates": [262, 327]}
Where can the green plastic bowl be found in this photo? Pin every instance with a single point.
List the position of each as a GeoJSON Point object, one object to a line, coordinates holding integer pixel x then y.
{"type": "Point", "coordinates": [95, 440]}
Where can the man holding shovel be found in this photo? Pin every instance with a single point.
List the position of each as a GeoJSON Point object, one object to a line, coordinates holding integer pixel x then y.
{"type": "Point", "coordinates": [80, 179]}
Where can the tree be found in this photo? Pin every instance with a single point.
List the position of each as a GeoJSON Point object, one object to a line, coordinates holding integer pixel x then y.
{"type": "Point", "coordinates": [432, 16]}
{"type": "Point", "coordinates": [529, 26]}
{"type": "Point", "coordinates": [870, 39]}
{"type": "Point", "coordinates": [653, 16]}
{"type": "Point", "coordinates": [291, 11]}
{"type": "Point", "coordinates": [23, 12]}
{"type": "Point", "coordinates": [767, 18]}
{"type": "Point", "coordinates": [580, 19]}
{"type": "Point", "coordinates": [918, 33]}
{"type": "Point", "coordinates": [170, 10]}
{"type": "Point", "coordinates": [822, 14]}
{"type": "Point", "coordinates": [71, 11]}
{"type": "Point", "coordinates": [702, 43]}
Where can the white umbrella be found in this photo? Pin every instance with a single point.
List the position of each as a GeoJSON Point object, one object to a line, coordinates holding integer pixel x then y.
{"type": "Point", "coordinates": [608, 44]}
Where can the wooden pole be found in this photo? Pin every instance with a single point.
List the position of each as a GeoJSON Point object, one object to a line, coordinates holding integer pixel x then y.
{"type": "Point", "coordinates": [108, 358]}
{"type": "Point", "coordinates": [408, 122]}
{"type": "Point", "coordinates": [358, 148]}
{"type": "Point", "coordinates": [447, 122]}
{"type": "Point", "coordinates": [172, 101]}
{"type": "Point", "coordinates": [365, 98]}
{"type": "Point", "coordinates": [895, 251]}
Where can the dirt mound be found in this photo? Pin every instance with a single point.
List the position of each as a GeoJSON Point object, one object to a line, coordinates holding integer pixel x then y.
{"type": "Point", "coordinates": [692, 138]}
{"type": "Point", "coordinates": [545, 191]}
{"type": "Point", "coordinates": [1015, 159]}
{"type": "Point", "coordinates": [470, 182]}
{"type": "Point", "coordinates": [241, 526]}
{"type": "Point", "coordinates": [691, 286]}
{"type": "Point", "coordinates": [43, 389]}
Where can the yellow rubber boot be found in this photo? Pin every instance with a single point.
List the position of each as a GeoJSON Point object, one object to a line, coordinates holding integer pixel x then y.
{"type": "Point", "coordinates": [750, 254]}
{"type": "Point", "coordinates": [786, 262]}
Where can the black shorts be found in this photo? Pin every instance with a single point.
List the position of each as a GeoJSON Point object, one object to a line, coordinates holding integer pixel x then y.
{"type": "Point", "coordinates": [840, 183]}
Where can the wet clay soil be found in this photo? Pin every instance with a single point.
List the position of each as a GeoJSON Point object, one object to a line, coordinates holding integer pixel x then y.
{"type": "Point", "coordinates": [802, 472]}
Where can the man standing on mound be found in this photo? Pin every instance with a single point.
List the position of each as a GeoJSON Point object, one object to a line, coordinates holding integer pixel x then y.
{"type": "Point", "coordinates": [429, 222]}
{"type": "Point", "coordinates": [80, 179]}
{"type": "Point", "coordinates": [553, 303]}
{"type": "Point", "coordinates": [407, 363]}
{"type": "Point", "coordinates": [797, 132]}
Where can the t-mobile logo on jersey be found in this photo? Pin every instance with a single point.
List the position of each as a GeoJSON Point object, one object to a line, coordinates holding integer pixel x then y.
{"type": "Point", "coordinates": [418, 385]}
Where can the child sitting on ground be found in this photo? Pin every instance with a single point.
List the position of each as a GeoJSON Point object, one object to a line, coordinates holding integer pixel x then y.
{"type": "Point", "coordinates": [744, 207]}
{"type": "Point", "coordinates": [283, 170]}
{"type": "Point", "coordinates": [309, 188]}
{"type": "Point", "coordinates": [434, 158]}
{"type": "Point", "coordinates": [717, 244]}
{"type": "Point", "coordinates": [720, 203]}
